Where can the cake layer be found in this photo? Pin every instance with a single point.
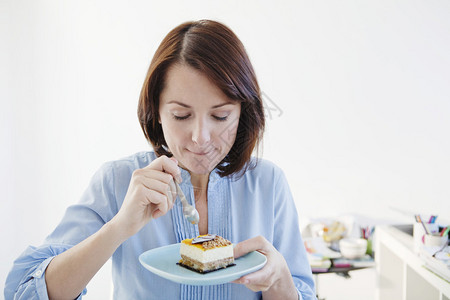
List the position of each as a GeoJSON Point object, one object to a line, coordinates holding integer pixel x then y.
{"type": "Point", "coordinates": [205, 256]}
{"type": "Point", "coordinates": [206, 253]}
{"type": "Point", "coordinates": [206, 267]}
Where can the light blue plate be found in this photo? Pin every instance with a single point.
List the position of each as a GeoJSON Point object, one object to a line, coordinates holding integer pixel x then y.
{"type": "Point", "coordinates": [163, 262]}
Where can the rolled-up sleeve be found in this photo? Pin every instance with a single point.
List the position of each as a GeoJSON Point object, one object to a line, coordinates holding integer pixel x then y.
{"type": "Point", "coordinates": [27, 277]}
{"type": "Point", "coordinates": [26, 280]}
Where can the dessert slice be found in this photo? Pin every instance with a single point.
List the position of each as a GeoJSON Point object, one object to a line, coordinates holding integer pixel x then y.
{"type": "Point", "coordinates": [206, 253]}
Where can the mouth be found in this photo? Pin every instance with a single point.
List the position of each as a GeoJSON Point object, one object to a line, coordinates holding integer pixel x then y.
{"type": "Point", "coordinates": [200, 153]}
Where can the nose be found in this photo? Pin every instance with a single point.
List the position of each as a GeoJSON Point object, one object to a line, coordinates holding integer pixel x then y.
{"type": "Point", "coordinates": [201, 133]}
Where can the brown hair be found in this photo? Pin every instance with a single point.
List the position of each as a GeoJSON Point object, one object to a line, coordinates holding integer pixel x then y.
{"type": "Point", "coordinates": [213, 49]}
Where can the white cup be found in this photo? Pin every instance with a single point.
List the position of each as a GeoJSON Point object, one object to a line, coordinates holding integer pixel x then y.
{"type": "Point", "coordinates": [435, 240]}
{"type": "Point", "coordinates": [353, 248]}
{"type": "Point", "coordinates": [419, 234]}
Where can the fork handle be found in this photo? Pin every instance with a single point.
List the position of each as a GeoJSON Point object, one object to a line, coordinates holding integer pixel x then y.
{"type": "Point", "coordinates": [181, 194]}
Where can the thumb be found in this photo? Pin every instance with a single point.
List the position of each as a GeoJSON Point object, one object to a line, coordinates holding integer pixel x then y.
{"type": "Point", "coordinates": [178, 176]}
{"type": "Point", "coordinates": [258, 243]}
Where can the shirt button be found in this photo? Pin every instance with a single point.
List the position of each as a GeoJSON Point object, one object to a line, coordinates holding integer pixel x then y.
{"type": "Point", "coordinates": [38, 273]}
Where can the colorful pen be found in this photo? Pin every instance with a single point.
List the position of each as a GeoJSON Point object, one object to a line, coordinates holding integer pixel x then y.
{"type": "Point", "coordinates": [445, 231]}
{"type": "Point", "coordinates": [424, 227]}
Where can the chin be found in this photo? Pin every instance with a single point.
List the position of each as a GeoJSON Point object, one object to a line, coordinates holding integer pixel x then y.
{"type": "Point", "coordinates": [200, 167]}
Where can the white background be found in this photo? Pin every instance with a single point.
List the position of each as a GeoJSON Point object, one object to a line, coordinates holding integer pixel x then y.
{"type": "Point", "coordinates": [363, 88]}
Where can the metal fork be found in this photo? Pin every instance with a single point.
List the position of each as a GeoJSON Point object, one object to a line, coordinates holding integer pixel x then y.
{"type": "Point", "coordinates": [189, 212]}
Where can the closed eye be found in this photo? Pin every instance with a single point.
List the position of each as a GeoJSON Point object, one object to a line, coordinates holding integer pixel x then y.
{"type": "Point", "coordinates": [180, 118]}
{"type": "Point", "coordinates": [222, 119]}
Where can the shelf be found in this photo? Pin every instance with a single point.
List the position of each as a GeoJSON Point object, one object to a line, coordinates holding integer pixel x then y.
{"type": "Point", "coordinates": [400, 271]}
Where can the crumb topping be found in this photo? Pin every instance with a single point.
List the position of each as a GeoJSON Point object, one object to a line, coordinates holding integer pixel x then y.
{"type": "Point", "coordinates": [218, 241]}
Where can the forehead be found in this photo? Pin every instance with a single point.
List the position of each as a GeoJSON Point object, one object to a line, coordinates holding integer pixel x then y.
{"type": "Point", "coordinates": [186, 84]}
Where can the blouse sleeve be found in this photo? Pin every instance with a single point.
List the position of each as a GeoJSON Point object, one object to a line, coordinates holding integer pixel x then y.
{"type": "Point", "coordinates": [27, 277]}
{"type": "Point", "coordinates": [26, 280]}
{"type": "Point", "coordinates": [288, 240]}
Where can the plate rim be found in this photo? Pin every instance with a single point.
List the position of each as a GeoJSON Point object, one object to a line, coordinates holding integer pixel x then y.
{"type": "Point", "coordinates": [198, 281]}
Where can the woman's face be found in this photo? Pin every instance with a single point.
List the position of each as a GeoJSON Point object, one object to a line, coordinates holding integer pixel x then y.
{"type": "Point", "coordinates": [199, 121]}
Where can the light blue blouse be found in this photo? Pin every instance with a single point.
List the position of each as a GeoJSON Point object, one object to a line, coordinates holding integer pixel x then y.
{"type": "Point", "coordinates": [258, 203]}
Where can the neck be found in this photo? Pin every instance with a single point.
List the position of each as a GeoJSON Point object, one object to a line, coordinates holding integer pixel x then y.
{"type": "Point", "coordinates": [200, 181]}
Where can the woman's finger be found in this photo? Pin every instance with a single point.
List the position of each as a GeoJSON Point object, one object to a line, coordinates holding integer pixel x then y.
{"type": "Point", "coordinates": [154, 197]}
{"type": "Point", "coordinates": [171, 193]}
{"type": "Point", "coordinates": [263, 279]}
{"type": "Point", "coordinates": [153, 184]}
{"type": "Point", "coordinates": [156, 180]}
{"type": "Point", "coordinates": [260, 280]}
{"type": "Point", "coordinates": [158, 203]}
{"type": "Point", "coordinates": [166, 165]}
{"type": "Point", "coordinates": [258, 243]}
{"type": "Point", "coordinates": [148, 173]}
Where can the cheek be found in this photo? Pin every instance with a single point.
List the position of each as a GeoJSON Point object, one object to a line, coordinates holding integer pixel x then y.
{"type": "Point", "coordinates": [172, 132]}
{"type": "Point", "coordinates": [227, 135]}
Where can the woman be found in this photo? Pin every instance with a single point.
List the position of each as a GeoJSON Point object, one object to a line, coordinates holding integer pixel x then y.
{"type": "Point", "coordinates": [201, 109]}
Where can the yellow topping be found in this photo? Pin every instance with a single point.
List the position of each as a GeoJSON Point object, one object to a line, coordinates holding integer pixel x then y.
{"type": "Point", "coordinates": [189, 242]}
{"type": "Point", "coordinates": [216, 243]}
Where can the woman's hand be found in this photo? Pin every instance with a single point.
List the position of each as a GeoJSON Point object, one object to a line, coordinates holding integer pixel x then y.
{"type": "Point", "coordinates": [149, 195]}
{"type": "Point", "coordinates": [274, 279]}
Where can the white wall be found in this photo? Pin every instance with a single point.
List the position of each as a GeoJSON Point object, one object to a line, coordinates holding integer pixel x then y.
{"type": "Point", "coordinates": [363, 88]}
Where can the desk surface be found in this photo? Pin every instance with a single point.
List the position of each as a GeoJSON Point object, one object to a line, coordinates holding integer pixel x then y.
{"type": "Point", "coordinates": [340, 270]}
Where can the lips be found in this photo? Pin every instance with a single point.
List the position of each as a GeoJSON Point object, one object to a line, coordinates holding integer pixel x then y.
{"type": "Point", "coordinates": [200, 152]}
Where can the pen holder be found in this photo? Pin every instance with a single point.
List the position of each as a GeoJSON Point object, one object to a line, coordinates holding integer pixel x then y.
{"type": "Point", "coordinates": [419, 234]}
{"type": "Point", "coordinates": [435, 240]}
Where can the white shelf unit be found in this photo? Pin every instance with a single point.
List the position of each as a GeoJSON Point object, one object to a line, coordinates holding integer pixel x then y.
{"type": "Point", "coordinates": [400, 272]}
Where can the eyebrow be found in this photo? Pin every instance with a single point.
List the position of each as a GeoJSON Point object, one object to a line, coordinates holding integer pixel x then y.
{"type": "Point", "coordinates": [187, 106]}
